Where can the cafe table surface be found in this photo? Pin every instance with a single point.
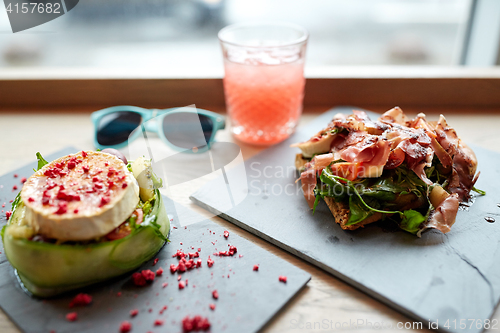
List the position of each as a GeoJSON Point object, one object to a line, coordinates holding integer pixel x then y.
{"type": "Point", "coordinates": [325, 300]}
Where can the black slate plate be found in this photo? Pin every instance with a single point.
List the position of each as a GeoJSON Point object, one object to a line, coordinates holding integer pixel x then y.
{"type": "Point", "coordinates": [247, 299]}
{"type": "Point", "coordinates": [437, 277]}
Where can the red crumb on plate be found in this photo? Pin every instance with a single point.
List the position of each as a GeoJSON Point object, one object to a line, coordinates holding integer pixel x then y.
{"type": "Point", "coordinates": [81, 300]}
{"type": "Point", "coordinates": [226, 234]}
{"type": "Point", "coordinates": [148, 275]}
{"type": "Point", "coordinates": [282, 278]}
{"type": "Point", "coordinates": [134, 312]}
{"type": "Point", "coordinates": [215, 294]}
{"type": "Point", "coordinates": [212, 306]}
{"type": "Point", "coordinates": [159, 272]}
{"type": "Point", "coordinates": [255, 267]}
{"type": "Point", "coordinates": [182, 266]}
{"type": "Point", "coordinates": [138, 279]}
{"type": "Point", "coordinates": [210, 262]}
{"type": "Point", "coordinates": [179, 254]}
{"type": "Point", "coordinates": [197, 323]}
{"type": "Point", "coordinates": [125, 327]}
{"type": "Point", "coordinates": [72, 316]}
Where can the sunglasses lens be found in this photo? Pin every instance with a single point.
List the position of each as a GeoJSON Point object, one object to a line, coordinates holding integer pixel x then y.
{"type": "Point", "coordinates": [115, 128]}
{"type": "Point", "coordinates": [183, 129]}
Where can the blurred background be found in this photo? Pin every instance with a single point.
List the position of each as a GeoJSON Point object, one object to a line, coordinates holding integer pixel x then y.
{"type": "Point", "coordinates": [182, 34]}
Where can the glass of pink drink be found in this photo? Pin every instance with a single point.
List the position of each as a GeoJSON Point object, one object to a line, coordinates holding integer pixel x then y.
{"type": "Point", "coordinates": [264, 79]}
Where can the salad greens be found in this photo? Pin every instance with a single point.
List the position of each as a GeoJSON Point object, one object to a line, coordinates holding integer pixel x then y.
{"type": "Point", "coordinates": [481, 192]}
{"type": "Point", "coordinates": [150, 219]}
{"type": "Point", "coordinates": [41, 161]}
{"type": "Point", "coordinates": [384, 195]}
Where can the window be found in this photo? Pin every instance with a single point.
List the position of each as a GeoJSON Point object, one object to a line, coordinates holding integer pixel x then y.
{"type": "Point", "coordinates": [177, 35]}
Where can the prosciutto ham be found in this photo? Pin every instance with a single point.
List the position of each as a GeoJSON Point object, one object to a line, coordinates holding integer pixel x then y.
{"type": "Point", "coordinates": [353, 144]}
{"type": "Point", "coordinates": [372, 150]}
{"type": "Point", "coordinates": [444, 215]}
{"type": "Point", "coordinates": [308, 181]}
{"type": "Point", "coordinates": [464, 161]}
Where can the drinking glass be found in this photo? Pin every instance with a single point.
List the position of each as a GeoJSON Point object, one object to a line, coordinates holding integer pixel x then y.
{"type": "Point", "coordinates": [264, 79]}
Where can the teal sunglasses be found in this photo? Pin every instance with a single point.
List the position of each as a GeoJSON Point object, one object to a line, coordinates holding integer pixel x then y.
{"type": "Point", "coordinates": [179, 128]}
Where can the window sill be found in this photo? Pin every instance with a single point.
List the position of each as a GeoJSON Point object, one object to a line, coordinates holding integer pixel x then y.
{"type": "Point", "coordinates": [365, 86]}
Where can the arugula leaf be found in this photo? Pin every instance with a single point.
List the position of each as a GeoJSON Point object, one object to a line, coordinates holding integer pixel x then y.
{"type": "Point", "coordinates": [316, 202]}
{"type": "Point", "coordinates": [339, 130]}
{"type": "Point", "coordinates": [334, 188]}
{"type": "Point", "coordinates": [41, 161]}
{"type": "Point", "coordinates": [353, 188]}
{"type": "Point", "coordinates": [411, 221]}
{"type": "Point", "coordinates": [367, 206]}
{"type": "Point", "coordinates": [329, 187]}
{"type": "Point", "coordinates": [358, 212]}
{"type": "Point", "coordinates": [409, 179]}
{"type": "Point", "coordinates": [430, 171]}
{"type": "Point", "coordinates": [481, 192]}
{"type": "Point", "coordinates": [369, 196]}
{"type": "Point", "coordinates": [384, 189]}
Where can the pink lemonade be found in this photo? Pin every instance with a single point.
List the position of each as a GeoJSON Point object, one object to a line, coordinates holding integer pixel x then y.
{"type": "Point", "coordinates": [264, 101]}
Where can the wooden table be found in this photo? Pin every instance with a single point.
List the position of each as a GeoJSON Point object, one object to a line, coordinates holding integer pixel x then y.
{"type": "Point", "coordinates": [325, 300]}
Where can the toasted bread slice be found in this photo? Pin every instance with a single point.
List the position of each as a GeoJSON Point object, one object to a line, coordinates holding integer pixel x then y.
{"type": "Point", "coordinates": [341, 213]}
{"type": "Point", "coordinates": [300, 162]}
{"type": "Point", "coordinates": [339, 210]}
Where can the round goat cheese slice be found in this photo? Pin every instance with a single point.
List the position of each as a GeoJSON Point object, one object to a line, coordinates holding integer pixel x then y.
{"type": "Point", "coordinates": [80, 197]}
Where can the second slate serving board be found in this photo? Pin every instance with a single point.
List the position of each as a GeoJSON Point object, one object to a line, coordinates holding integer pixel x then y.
{"type": "Point", "coordinates": [247, 300]}
{"type": "Point", "coordinates": [438, 277]}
